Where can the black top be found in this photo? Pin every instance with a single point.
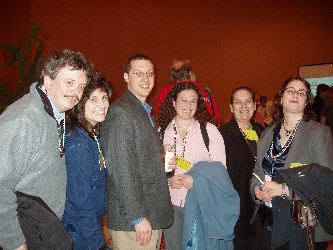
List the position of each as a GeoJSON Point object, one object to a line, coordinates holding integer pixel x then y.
{"type": "Point", "coordinates": [240, 163]}
{"type": "Point", "coordinates": [317, 106]}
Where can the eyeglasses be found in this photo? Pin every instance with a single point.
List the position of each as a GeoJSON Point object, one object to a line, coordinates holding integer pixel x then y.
{"type": "Point", "coordinates": [300, 92]}
{"type": "Point", "coordinates": [141, 74]}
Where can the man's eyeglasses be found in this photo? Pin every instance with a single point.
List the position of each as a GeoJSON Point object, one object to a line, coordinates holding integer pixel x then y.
{"type": "Point", "coordinates": [141, 74]}
{"type": "Point", "coordinates": [300, 92]}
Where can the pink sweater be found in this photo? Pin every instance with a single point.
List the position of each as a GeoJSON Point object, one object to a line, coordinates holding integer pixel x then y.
{"type": "Point", "coordinates": [195, 151]}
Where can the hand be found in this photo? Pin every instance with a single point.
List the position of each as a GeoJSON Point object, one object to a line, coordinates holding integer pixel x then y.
{"type": "Point", "coordinates": [188, 181]}
{"type": "Point", "coordinates": [264, 195]}
{"type": "Point", "coordinates": [172, 163]}
{"type": "Point", "coordinates": [23, 247]}
{"type": "Point", "coordinates": [176, 181]}
{"type": "Point", "coordinates": [143, 232]}
{"type": "Point", "coordinates": [275, 187]}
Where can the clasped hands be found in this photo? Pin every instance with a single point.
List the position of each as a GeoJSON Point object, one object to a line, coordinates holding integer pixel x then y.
{"type": "Point", "coordinates": [178, 181]}
{"type": "Point", "coordinates": [269, 190]}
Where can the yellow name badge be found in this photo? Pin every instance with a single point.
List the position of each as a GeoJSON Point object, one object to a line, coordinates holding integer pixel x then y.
{"type": "Point", "coordinates": [251, 135]}
{"type": "Point", "coordinates": [183, 164]}
{"type": "Point", "coordinates": [295, 165]}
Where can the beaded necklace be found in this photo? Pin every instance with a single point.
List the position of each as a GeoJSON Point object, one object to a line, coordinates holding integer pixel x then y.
{"type": "Point", "coordinates": [101, 157]}
{"type": "Point", "coordinates": [287, 132]}
{"type": "Point", "coordinates": [286, 146]}
{"type": "Point", "coordinates": [175, 140]}
{"type": "Point", "coordinates": [61, 133]}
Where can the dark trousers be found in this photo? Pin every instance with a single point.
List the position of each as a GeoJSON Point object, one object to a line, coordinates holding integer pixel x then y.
{"type": "Point", "coordinates": [173, 234]}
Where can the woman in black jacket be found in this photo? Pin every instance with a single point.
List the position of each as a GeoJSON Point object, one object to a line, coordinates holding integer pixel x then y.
{"type": "Point", "coordinates": [240, 137]}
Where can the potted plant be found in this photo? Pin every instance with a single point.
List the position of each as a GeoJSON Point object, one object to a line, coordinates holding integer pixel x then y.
{"type": "Point", "coordinates": [28, 57]}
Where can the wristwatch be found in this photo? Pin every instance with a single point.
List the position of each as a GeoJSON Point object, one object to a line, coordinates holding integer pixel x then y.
{"type": "Point", "coordinates": [284, 194]}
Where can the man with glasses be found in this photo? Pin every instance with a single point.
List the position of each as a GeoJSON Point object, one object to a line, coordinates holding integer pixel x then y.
{"type": "Point", "coordinates": [139, 204]}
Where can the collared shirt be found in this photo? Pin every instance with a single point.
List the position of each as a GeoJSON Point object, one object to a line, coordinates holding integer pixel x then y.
{"type": "Point", "coordinates": [57, 115]}
{"type": "Point", "coordinates": [195, 151]}
{"type": "Point", "coordinates": [148, 110]}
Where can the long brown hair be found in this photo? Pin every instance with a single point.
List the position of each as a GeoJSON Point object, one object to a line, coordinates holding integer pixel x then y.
{"type": "Point", "coordinates": [167, 111]}
{"type": "Point", "coordinates": [75, 116]}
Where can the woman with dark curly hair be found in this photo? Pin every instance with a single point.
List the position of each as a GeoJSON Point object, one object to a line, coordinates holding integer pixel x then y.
{"type": "Point", "coordinates": [86, 174]}
{"type": "Point", "coordinates": [294, 160]}
{"type": "Point", "coordinates": [180, 116]}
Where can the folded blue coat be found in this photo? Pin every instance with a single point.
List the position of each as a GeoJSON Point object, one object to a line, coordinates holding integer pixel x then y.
{"type": "Point", "coordinates": [214, 204]}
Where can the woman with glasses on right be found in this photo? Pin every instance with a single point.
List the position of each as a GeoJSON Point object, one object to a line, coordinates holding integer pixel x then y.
{"type": "Point", "coordinates": [288, 155]}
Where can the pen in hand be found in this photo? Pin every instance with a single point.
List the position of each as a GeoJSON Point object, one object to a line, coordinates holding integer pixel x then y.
{"type": "Point", "coordinates": [259, 180]}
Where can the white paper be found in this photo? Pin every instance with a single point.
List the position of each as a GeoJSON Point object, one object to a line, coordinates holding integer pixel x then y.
{"type": "Point", "coordinates": [268, 203]}
{"type": "Point", "coordinates": [168, 156]}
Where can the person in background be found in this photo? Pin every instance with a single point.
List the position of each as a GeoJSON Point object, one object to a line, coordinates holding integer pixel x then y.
{"type": "Point", "coordinates": [180, 116]}
{"type": "Point", "coordinates": [86, 171]}
{"type": "Point", "coordinates": [330, 93]}
{"type": "Point", "coordinates": [321, 95]}
{"type": "Point", "coordinates": [257, 98]}
{"type": "Point", "coordinates": [32, 139]}
{"type": "Point", "coordinates": [139, 204]}
{"type": "Point", "coordinates": [326, 115]}
{"type": "Point", "coordinates": [262, 107]}
{"type": "Point", "coordinates": [270, 110]}
{"type": "Point", "coordinates": [182, 71]}
{"type": "Point", "coordinates": [295, 139]}
{"type": "Point", "coordinates": [256, 115]}
{"type": "Point", "coordinates": [241, 153]}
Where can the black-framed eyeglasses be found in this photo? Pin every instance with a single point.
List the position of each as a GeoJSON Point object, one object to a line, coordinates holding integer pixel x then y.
{"type": "Point", "coordinates": [141, 74]}
{"type": "Point", "coordinates": [300, 92]}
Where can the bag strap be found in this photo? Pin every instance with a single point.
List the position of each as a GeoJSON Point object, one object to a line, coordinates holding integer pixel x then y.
{"type": "Point", "coordinates": [308, 233]}
{"type": "Point", "coordinates": [205, 136]}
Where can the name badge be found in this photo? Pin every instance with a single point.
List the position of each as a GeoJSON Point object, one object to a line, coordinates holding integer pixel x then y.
{"type": "Point", "coordinates": [251, 135]}
{"type": "Point", "coordinates": [183, 163]}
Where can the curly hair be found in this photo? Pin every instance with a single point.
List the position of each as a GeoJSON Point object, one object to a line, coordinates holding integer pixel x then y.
{"type": "Point", "coordinates": [167, 111]}
{"type": "Point", "coordinates": [62, 58]}
{"type": "Point", "coordinates": [76, 116]}
{"type": "Point", "coordinates": [278, 115]}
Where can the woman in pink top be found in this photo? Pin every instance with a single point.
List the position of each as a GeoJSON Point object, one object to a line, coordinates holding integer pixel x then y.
{"type": "Point", "coordinates": [179, 117]}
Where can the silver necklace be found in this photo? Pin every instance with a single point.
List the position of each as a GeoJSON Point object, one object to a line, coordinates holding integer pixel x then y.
{"type": "Point", "coordinates": [286, 146]}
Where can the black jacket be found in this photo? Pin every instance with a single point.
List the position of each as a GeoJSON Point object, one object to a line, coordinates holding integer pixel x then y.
{"type": "Point", "coordinates": [311, 182]}
{"type": "Point", "coordinates": [240, 163]}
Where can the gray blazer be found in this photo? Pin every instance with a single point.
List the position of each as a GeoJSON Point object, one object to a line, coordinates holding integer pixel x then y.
{"type": "Point", "coordinates": [312, 144]}
{"type": "Point", "coordinates": [137, 184]}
